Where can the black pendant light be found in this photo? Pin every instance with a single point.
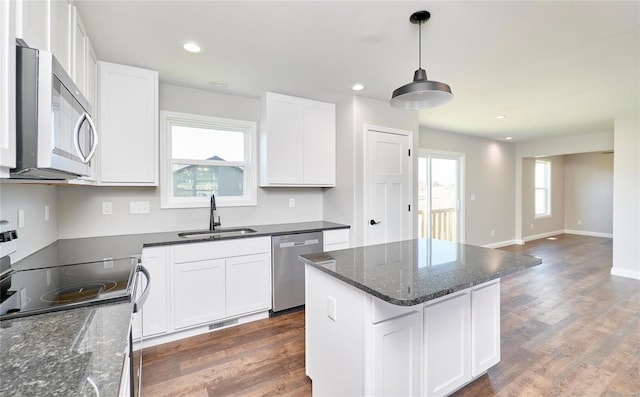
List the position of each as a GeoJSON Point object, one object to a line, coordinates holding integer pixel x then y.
{"type": "Point", "coordinates": [421, 93]}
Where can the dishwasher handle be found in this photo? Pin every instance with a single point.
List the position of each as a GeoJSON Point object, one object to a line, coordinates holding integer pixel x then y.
{"type": "Point", "coordinates": [293, 244]}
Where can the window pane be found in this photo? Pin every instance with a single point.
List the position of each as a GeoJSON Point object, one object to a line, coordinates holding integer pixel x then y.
{"type": "Point", "coordinates": [206, 144]}
{"type": "Point", "coordinates": [541, 171]}
{"type": "Point", "coordinates": [541, 202]}
{"type": "Point", "coordinates": [202, 180]}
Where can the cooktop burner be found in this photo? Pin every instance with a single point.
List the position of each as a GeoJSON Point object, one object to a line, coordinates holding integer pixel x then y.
{"type": "Point", "coordinates": [44, 290]}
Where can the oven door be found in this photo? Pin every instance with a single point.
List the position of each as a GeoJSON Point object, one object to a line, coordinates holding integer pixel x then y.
{"type": "Point", "coordinates": [143, 285]}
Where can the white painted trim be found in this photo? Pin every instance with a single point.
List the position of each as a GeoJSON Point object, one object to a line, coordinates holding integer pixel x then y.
{"type": "Point", "coordinates": [543, 235]}
{"type": "Point", "coordinates": [501, 244]}
{"type": "Point", "coordinates": [588, 233]}
{"type": "Point", "coordinates": [625, 273]}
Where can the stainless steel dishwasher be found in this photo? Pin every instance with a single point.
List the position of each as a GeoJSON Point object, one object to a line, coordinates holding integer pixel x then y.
{"type": "Point", "coordinates": [288, 270]}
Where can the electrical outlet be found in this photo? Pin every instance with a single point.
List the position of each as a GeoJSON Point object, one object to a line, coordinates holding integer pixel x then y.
{"type": "Point", "coordinates": [473, 197]}
{"type": "Point", "coordinates": [46, 212]}
{"type": "Point", "coordinates": [20, 219]}
{"type": "Point", "coordinates": [532, 226]}
{"type": "Point", "coordinates": [579, 221]}
{"type": "Point", "coordinates": [107, 208]}
{"type": "Point", "coordinates": [493, 232]}
{"type": "Point", "coordinates": [292, 202]}
{"type": "Point", "coordinates": [139, 207]}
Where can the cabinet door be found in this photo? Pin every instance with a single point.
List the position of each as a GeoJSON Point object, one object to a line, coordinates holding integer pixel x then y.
{"type": "Point", "coordinates": [248, 284]}
{"type": "Point", "coordinates": [319, 162]}
{"type": "Point", "coordinates": [61, 28]}
{"type": "Point", "coordinates": [128, 120]}
{"type": "Point", "coordinates": [198, 292]}
{"type": "Point", "coordinates": [397, 356]}
{"type": "Point", "coordinates": [446, 344]}
{"type": "Point", "coordinates": [79, 53]}
{"type": "Point", "coordinates": [485, 327]}
{"type": "Point", "coordinates": [156, 308]}
{"type": "Point", "coordinates": [32, 23]}
{"type": "Point", "coordinates": [285, 128]}
{"type": "Point", "coordinates": [8, 90]}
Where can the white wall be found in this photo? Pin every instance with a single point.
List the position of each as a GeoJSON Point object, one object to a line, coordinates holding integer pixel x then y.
{"type": "Point", "coordinates": [588, 190]}
{"type": "Point", "coordinates": [537, 228]}
{"type": "Point", "coordinates": [31, 198]}
{"type": "Point", "coordinates": [344, 203]}
{"type": "Point", "coordinates": [489, 175]}
{"type": "Point", "coordinates": [80, 206]}
{"type": "Point", "coordinates": [626, 197]}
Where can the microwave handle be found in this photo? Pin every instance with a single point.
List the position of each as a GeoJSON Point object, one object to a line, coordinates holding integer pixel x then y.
{"type": "Point", "coordinates": [94, 134]}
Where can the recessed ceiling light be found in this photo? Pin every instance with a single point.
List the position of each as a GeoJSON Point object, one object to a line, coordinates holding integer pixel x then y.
{"type": "Point", "coordinates": [192, 47]}
{"type": "Point", "coordinates": [501, 117]}
{"type": "Point", "coordinates": [509, 138]}
{"type": "Point", "coordinates": [357, 87]}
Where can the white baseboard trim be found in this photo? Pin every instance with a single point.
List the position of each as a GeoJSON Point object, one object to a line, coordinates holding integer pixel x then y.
{"type": "Point", "coordinates": [542, 235]}
{"type": "Point", "coordinates": [634, 274]}
{"type": "Point", "coordinates": [500, 244]}
{"type": "Point", "coordinates": [586, 233]}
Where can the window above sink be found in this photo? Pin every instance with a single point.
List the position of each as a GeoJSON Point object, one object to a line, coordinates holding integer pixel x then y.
{"type": "Point", "coordinates": [203, 155]}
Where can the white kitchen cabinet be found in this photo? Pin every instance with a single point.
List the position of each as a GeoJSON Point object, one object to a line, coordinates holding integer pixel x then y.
{"type": "Point", "coordinates": [199, 292]}
{"type": "Point", "coordinates": [485, 327]}
{"type": "Point", "coordinates": [447, 340]}
{"type": "Point", "coordinates": [8, 90]}
{"type": "Point", "coordinates": [246, 289]}
{"type": "Point", "coordinates": [80, 39]}
{"type": "Point", "coordinates": [297, 142]}
{"type": "Point", "coordinates": [334, 240]}
{"type": "Point", "coordinates": [156, 316]}
{"type": "Point", "coordinates": [32, 23]}
{"type": "Point", "coordinates": [128, 125]}
{"type": "Point", "coordinates": [61, 25]}
{"type": "Point", "coordinates": [397, 355]}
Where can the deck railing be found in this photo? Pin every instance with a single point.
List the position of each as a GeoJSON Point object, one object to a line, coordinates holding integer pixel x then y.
{"type": "Point", "coordinates": [443, 224]}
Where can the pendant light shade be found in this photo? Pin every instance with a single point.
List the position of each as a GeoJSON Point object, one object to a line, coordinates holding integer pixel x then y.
{"type": "Point", "coordinates": [421, 93]}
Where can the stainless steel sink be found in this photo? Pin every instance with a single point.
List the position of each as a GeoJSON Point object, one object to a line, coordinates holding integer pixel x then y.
{"type": "Point", "coordinates": [226, 232]}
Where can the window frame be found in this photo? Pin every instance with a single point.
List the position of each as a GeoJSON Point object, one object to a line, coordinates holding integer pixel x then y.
{"type": "Point", "coordinates": [546, 189]}
{"type": "Point", "coordinates": [168, 119]}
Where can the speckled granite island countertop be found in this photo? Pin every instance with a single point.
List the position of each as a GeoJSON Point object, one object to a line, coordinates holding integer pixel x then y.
{"type": "Point", "coordinates": [410, 272]}
{"type": "Point", "coordinates": [77, 352]}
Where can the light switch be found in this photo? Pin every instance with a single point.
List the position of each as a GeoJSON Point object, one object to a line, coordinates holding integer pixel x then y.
{"type": "Point", "coordinates": [292, 202]}
{"type": "Point", "coordinates": [331, 307]}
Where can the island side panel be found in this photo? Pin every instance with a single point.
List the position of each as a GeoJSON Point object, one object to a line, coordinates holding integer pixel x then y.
{"type": "Point", "coordinates": [335, 330]}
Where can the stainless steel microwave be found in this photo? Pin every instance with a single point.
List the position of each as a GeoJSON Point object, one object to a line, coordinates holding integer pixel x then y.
{"type": "Point", "coordinates": [55, 134]}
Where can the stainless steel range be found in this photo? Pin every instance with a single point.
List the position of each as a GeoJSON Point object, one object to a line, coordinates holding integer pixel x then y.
{"type": "Point", "coordinates": [51, 288]}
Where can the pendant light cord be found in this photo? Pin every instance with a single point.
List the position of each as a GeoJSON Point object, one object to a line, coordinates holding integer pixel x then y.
{"type": "Point", "coordinates": [420, 45]}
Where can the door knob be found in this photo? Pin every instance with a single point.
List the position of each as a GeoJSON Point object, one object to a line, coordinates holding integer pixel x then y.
{"type": "Point", "coordinates": [373, 222]}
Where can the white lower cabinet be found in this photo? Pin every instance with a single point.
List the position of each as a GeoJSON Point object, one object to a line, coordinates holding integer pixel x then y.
{"type": "Point", "coordinates": [196, 284]}
{"type": "Point", "coordinates": [198, 292]}
{"type": "Point", "coordinates": [245, 281]}
{"type": "Point", "coordinates": [485, 327]}
{"type": "Point", "coordinates": [447, 338]}
{"type": "Point", "coordinates": [334, 240]}
{"type": "Point", "coordinates": [396, 356]}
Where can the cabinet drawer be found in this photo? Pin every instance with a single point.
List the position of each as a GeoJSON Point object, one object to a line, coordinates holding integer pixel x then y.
{"type": "Point", "coordinates": [221, 249]}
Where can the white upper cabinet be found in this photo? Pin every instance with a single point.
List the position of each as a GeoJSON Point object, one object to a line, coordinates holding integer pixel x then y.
{"type": "Point", "coordinates": [8, 90]}
{"type": "Point", "coordinates": [128, 125]}
{"type": "Point", "coordinates": [80, 44]}
{"type": "Point", "coordinates": [32, 23]}
{"type": "Point", "coordinates": [297, 142]}
{"type": "Point", "coordinates": [61, 28]}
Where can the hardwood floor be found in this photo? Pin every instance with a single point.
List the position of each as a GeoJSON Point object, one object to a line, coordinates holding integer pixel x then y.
{"type": "Point", "coordinates": [569, 328]}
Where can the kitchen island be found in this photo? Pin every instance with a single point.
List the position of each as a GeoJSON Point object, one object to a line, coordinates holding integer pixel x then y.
{"type": "Point", "coordinates": [416, 317]}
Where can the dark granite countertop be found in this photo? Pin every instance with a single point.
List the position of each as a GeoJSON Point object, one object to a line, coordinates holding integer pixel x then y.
{"type": "Point", "coordinates": [63, 353]}
{"type": "Point", "coordinates": [90, 249]}
{"type": "Point", "coordinates": [410, 272]}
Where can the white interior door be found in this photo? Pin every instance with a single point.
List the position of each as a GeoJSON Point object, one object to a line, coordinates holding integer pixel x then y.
{"type": "Point", "coordinates": [440, 214]}
{"type": "Point", "coordinates": [388, 186]}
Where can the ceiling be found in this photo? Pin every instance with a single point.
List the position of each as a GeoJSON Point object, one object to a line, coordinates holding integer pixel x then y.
{"type": "Point", "coordinates": [551, 67]}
